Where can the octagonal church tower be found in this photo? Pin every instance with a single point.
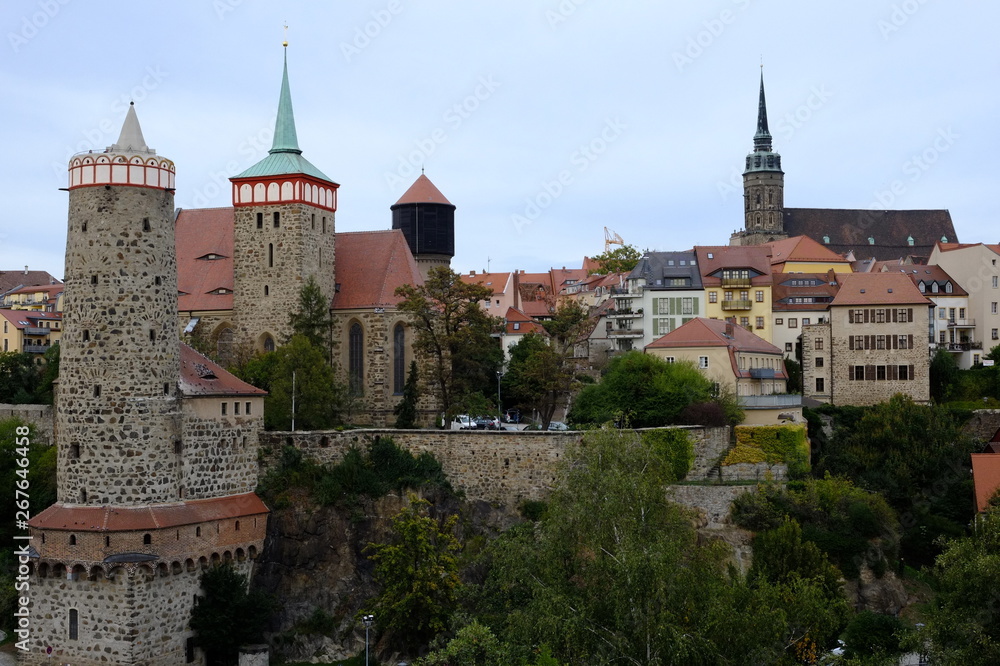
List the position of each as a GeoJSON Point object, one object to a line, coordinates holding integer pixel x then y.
{"type": "Point", "coordinates": [156, 444]}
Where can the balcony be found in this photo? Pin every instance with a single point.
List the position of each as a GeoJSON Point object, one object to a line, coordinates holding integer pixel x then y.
{"type": "Point", "coordinates": [736, 282]}
{"type": "Point", "coordinates": [35, 330]}
{"type": "Point", "coordinates": [624, 313]}
{"type": "Point", "coordinates": [958, 346]}
{"type": "Point", "coordinates": [35, 349]}
{"type": "Point", "coordinates": [620, 333]}
{"type": "Point", "coordinates": [623, 292]}
{"type": "Point", "coordinates": [762, 373]}
{"type": "Point", "coordinates": [771, 401]}
{"type": "Point", "coordinates": [961, 323]}
{"type": "Point", "coordinates": [737, 305]}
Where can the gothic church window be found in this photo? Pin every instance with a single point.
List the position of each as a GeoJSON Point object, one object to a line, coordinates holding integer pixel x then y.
{"type": "Point", "coordinates": [398, 358]}
{"type": "Point", "coordinates": [355, 361]}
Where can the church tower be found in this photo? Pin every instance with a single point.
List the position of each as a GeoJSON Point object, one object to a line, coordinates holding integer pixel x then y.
{"type": "Point", "coordinates": [763, 187]}
{"type": "Point", "coordinates": [427, 220]}
{"type": "Point", "coordinates": [284, 233]}
{"type": "Point", "coordinates": [154, 483]}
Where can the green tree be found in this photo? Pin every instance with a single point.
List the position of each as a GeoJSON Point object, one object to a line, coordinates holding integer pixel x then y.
{"type": "Point", "coordinates": [619, 260]}
{"type": "Point", "coordinates": [541, 374]}
{"type": "Point", "coordinates": [228, 615]}
{"type": "Point", "coordinates": [19, 378]}
{"type": "Point", "coordinates": [406, 409]}
{"type": "Point", "coordinates": [452, 337]}
{"type": "Point", "coordinates": [49, 374]}
{"type": "Point", "coordinates": [473, 645]}
{"type": "Point", "coordinates": [917, 457]}
{"type": "Point", "coordinates": [417, 571]}
{"type": "Point", "coordinates": [318, 396]}
{"type": "Point", "coordinates": [794, 371]}
{"type": "Point", "coordinates": [781, 554]}
{"type": "Point", "coordinates": [963, 625]}
{"type": "Point", "coordinates": [944, 374]}
{"type": "Point", "coordinates": [874, 635]}
{"type": "Point", "coordinates": [647, 390]}
{"type": "Point", "coordinates": [312, 320]}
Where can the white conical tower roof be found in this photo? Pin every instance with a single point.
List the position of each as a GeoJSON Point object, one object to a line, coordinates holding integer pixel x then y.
{"type": "Point", "coordinates": [130, 140]}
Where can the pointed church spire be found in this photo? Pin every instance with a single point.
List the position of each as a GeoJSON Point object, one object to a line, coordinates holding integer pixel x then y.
{"type": "Point", "coordinates": [762, 139]}
{"type": "Point", "coordinates": [285, 140]}
{"type": "Point", "coordinates": [130, 140]}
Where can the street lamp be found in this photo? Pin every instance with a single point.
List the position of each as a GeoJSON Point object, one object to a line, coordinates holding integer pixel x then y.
{"type": "Point", "coordinates": [499, 404]}
{"type": "Point", "coordinates": [367, 619]}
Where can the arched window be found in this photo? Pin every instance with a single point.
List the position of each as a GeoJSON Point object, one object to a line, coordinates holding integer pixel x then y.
{"type": "Point", "coordinates": [147, 539]}
{"type": "Point", "coordinates": [355, 361]}
{"type": "Point", "coordinates": [270, 255]}
{"type": "Point", "coordinates": [398, 358]}
{"type": "Point", "coordinates": [224, 343]}
{"type": "Point", "coordinates": [268, 343]}
{"type": "Point", "coordinates": [74, 624]}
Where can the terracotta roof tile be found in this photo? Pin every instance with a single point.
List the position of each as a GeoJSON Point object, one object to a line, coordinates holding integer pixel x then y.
{"type": "Point", "coordinates": [878, 289]}
{"type": "Point", "coordinates": [850, 229]}
{"type": "Point", "coordinates": [985, 477]}
{"type": "Point", "coordinates": [801, 248]}
{"type": "Point", "coordinates": [783, 290]}
{"type": "Point", "coordinates": [712, 259]}
{"type": "Point", "coordinates": [702, 332]}
{"type": "Point", "coordinates": [918, 272]}
{"type": "Point", "coordinates": [496, 281]}
{"type": "Point", "coordinates": [198, 234]}
{"type": "Point", "coordinates": [525, 323]}
{"type": "Point", "coordinates": [77, 518]}
{"type": "Point", "coordinates": [200, 377]}
{"type": "Point", "coordinates": [370, 265]}
{"type": "Point", "coordinates": [422, 191]}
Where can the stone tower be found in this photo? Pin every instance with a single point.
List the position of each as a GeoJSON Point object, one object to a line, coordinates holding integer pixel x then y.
{"type": "Point", "coordinates": [763, 187]}
{"type": "Point", "coordinates": [284, 233]}
{"type": "Point", "coordinates": [427, 220]}
{"type": "Point", "coordinates": [155, 477]}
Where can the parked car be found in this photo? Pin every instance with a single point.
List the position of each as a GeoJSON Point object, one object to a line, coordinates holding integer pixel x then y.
{"type": "Point", "coordinates": [462, 422]}
{"type": "Point", "coordinates": [487, 423]}
{"type": "Point", "coordinates": [558, 425]}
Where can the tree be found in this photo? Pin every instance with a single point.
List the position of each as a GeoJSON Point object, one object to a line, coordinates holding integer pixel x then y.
{"type": "Point", "coordinates": [418, 573]}
{"type": "Point", "coordinates": [541, 374]}
{"type": "Point", "coordinates": [19, 378]}
{"type": "Point", "coordinates": [944, 375]}
{"type": "Point", "coordinates": [228, 615]}
{"type": "Point", "coordinates": [312, 320]}
{"type": "Point", "coordinates": [963, 625]}
{"type": "Point", "coordinates": [645, 390]}
{"type": "Point", "coordinates": [473, 645]}
{"type": "Point", "coordinates": [794, 371]}
{"type": "Point", "coordinates": [452, 336]}
{"type": "Point", "coordinates": [619, 260]}
{"type": "Point", "coordinates": [406, 409]}
{"type": "Point", "coordinates": [302, 366]}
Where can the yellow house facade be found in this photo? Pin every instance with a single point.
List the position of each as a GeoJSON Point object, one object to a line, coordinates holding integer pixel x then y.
{"type": "Point", "coordinates": [737, 283]}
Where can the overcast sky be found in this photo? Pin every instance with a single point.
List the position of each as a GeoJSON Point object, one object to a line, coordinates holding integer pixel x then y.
{"type": "Point", "coordinates": [543, 121]}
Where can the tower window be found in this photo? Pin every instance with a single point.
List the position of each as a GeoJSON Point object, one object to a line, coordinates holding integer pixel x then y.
{"type": "Point", "coordinates": [356, 364]}
{"type": "Point", "coordinates": [267, 290]}
{"type": "Point", "coordinates": [83, 227]}
{"type": "Point", "coordinates": [145, 224]}
{"type": "Point", "coordinates": [152, 335]}
{"type": "Point", "coordinates": [74, 628]}
{"type": "Point", "coordinates": [324, 224]}
{"type": "Point", "coordinates": [270, 254]}
{"type": "Point", "coordinates": [97, 390]}
{"type": "Point", "coordinates": [157, 281]}
{"type": "Point", "coordinates": [314, 221]}
{"type": "Point", "coordinates": [269, 344]}
{"type": "Point", "coordinates": [107, 542]}
{"type": "Point", "coordinates": [277, 219]}
{"type": "Point", "coordinates": [93, 279]}
{"type": "Point", "coordinates": [166, 388]}
{"type": "Point", "coordinates": [178, 446]}
{"type": "Point", "coordinates": [237, 526]}
{"type": "Point", "coordinates": [147, 539]}
{"type": "Point", "coordinates": [398, 358]}
{"type": "Point", "coordinates": [74, 451]}
{"type": "Point", "coordinates": [197, 531]}
{"type": "Point", "coordinates": [260, 220]}
{"type": "Point", "coordinates": [72, 539]}
{"type": "Point", "coordinates": [86, 335]}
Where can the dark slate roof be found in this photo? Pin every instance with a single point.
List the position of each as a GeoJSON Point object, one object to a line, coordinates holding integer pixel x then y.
{"type": "Point", "coordinates": [663, 266]}
{"type": "Point", "coordinates": [850, 229]}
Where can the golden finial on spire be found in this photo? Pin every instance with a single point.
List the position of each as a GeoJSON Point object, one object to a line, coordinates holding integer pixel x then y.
{"type": "Point", "coordinates": [285, 43]}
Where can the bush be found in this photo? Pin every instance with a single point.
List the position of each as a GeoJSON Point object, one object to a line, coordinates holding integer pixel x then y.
{"type": "Point", "coordinates": [774, 445]}
{"type": "Point", "coordinates": [674, 446]}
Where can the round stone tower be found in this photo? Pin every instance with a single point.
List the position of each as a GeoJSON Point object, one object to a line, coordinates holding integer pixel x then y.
{"type": "Point", "coordinates": [116, 412]}
{"type": "Point", "coordinates": [427, 220]}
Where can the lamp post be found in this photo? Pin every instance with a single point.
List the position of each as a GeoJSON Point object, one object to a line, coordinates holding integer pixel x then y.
{"type": "Point", "coordinates": [367, 619]}
{"type": "Point", "coordinates": [499, 404]}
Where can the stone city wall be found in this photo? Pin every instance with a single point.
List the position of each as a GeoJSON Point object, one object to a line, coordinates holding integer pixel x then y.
{"type": "Point", "coordinates": [40, 416]}
{"type": "Point", "coordinates": [714, 501]}
{"type": "Point", "coordinates": [503, 467]}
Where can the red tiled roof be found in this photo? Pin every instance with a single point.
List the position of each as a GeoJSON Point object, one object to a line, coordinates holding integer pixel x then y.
{"type": "Point", "coordinates": [702, 332]}
{"type": "Point", "coordinates": [200, 376]}
{"type": "Point", "coordinates": [782, 290]}
{"type": "Point", "coordinates": [985, 477]}
{"type": "Point", "coordinates": [49, 289]}
{"type": "Point", "coordinates": [801, 248]}
{"type": "Point", "coordinates": [496, 281]}
{"type": "Point", "coordinates": [949, 247]}
{"type": "Point", "coordinates": [422, 191]}
{"type": "Point", "coordinates": [527, 324]}
{"type": "Point", "coordinates": [199, 233]}
{"type": "Point", "coordinates": [918, 272]}
{"type": "Point", "coordinates": [536, 308]}
{"type": "Point", "coordinates": [714, 258]}
{"type": "Point", "coordinates": [75, 518]}
{"type": "Point", "coordinates": [878, 289]}
{"type": "Point", "coordinates": [370, 265]}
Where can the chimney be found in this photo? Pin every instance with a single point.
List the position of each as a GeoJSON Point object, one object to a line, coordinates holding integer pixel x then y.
{"type": "Point", "coordinates": [26, 269]}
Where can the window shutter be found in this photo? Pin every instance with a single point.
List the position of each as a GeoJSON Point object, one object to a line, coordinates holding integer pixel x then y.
{"type": "Point", "coordinates": [675, 306]}
{"type": "Point", "coordinates": [850, 342]}
{"type": "Point", "coordinates": [893, 372]}
{"type": "Point", "coordinates": [866, 316]}
{"type": "Point", "coordinates": [656, 327]}
{"type": "Point", "coordinates": [695, 302]}
{"type": "Point", "coordinates": [656, 306]}
{"type": "Point", "coordinates": [870, 372]}
{"type": "Point", "coordinates": [909, 315]}
{"type": "Point", "coordinates": [909, 341]}
{"type": "Point", "coordinates": [911, 372]}
{"type": "Point", "coordinates": [850, 316]}
{"type": "Point", "coordinates": [895, 315]}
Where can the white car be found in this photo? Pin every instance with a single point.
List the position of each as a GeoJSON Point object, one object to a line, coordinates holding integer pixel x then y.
{"type": "Point", "coordinates": [462, 422]}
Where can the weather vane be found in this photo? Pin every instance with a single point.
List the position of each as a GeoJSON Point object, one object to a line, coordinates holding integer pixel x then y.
{"type": "Point", "coordinates": [285, 42]}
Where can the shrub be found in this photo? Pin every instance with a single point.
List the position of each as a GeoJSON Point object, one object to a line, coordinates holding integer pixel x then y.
{"type": "Point", "coordinates": [674, 446]}
{"type": "Point", "coordinates": [776, 444]}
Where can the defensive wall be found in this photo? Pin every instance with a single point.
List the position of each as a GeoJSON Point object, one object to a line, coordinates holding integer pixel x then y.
{"type": "Point", "coordinates": [40, 416]}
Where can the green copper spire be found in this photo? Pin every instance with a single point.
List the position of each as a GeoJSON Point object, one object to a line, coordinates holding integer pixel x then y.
{"type": "Point", "coordinates": [285, 140]}
{"type": "Point", "coordinates": [762, 139]}
{"type": "Point", "coordinates": [285, 156]}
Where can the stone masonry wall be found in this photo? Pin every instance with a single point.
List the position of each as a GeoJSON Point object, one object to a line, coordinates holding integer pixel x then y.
{"type": "Point", "coordinates": [282, 259]}
{"type": "Point", "coordinates": [714, 501]}
{"type": "Point", "coordinates": [503, 467]}
{"type": "Point", "coordinates": [40, 416]}
{"type": "Point", "coordinates": [219, 456]}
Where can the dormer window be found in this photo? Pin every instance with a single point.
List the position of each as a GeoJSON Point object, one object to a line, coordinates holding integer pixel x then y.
{"type": "Point", "coordinates": [934, 287]}
{"type": "Point", "coordinates": [944, 239]}
{"type": "Point", "coordinates": [826, 239]}
{"type": "Point", "coordinates": [922, 287]}
{"type": "Point", "coordinates": [909, 240]}
{"type": "Point", "coordinates": [947, 287]}
{"type": "Point", "coordinates": [871, 240]}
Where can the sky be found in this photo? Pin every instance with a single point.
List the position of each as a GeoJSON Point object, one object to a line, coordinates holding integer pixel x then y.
{"type": "Point", "coordinates": [543, 121]}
